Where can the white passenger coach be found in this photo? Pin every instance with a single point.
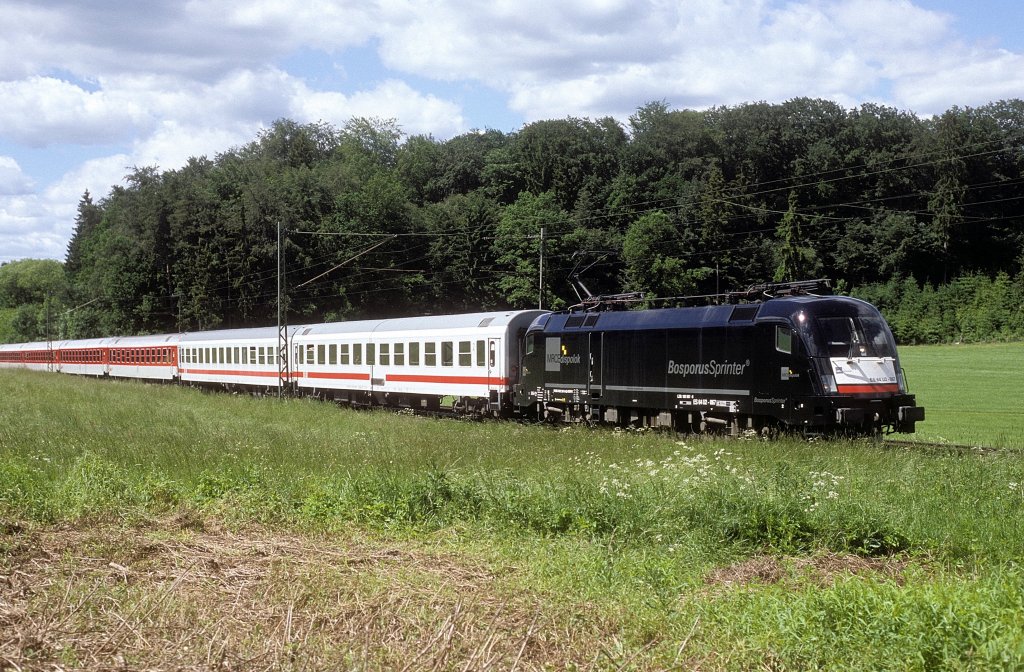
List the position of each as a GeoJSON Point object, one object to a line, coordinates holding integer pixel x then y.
{"type": "Point", "coordinates": [415, 362]}
{"type": "Point", "coordinates": [463, 363]}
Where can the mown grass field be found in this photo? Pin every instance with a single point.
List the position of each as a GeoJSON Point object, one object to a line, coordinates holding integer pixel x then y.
{"type": "Point", "coordinates": [973, 394]}
{"type": "Point", "coordinates": [158, 527]}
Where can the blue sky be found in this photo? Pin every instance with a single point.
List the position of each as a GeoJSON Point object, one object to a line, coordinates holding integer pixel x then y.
{"type": "Point", "coordinates": [91, 89]}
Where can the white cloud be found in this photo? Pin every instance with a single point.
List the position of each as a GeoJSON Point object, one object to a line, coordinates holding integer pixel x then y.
{"type": "Point", "coordinates": [38, 110]}
{"type": "Point", "coordinates": [13, 181]}
{"type": "Point", "coordinates": [40, 224]}
{"type": "Point", "coordinates": [415, 111]}
{"type": "Point", "coordinates": [154, 83]}
{"type": "Point", "coordinates": [28, 230]}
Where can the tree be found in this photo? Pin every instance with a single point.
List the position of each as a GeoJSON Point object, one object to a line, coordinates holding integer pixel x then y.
{"type": "Point", "coordinates": [460, 255]}
{"type": "Point", "coordinates": [86, 221]}
{"type": "Point", "coordinates": [33, 298]}
{"type": "Point", "coordinates": [655, 254]}
{"type": "Point", "coordinates": [517, 251]}
{"type": "Point", "coordinates": [796, 260]}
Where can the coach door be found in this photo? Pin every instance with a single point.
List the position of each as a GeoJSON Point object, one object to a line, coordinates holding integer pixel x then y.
{"type": "Point", "coordinates": [494, 381]}
{"type": "Point", "coordinates": [596, 364]}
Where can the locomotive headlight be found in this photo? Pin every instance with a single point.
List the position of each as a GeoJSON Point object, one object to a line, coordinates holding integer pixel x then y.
{"type": "Point", "coordinates": [828, 383]}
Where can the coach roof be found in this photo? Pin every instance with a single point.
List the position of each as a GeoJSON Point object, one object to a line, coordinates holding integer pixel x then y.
{"type": "Point", "coordinates": [417, 325]}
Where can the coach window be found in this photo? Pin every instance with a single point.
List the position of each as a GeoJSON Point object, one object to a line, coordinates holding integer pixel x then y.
{"type": "Point", "coordinates": [430, 353]}
{"type": "Point", "coordinates": [321, 354]}
{"type": "Point", "coordinates": [414, 353]}
{"type": "Point", "coordinates": [357, 353]}
{"type": "Point", "coordinates": [272, 356]}
{"type": "Point", "coordinates": [399, 354]}
{"type": "Point", "coordinates": [332, 354]}
{"type": "Point", "coordinates": [465, 353]}
{"type": "Point", "coordinates": [344, 354]}
{"type": "Point", "coordinates": [385, 354]}
{"type": "Point", "coordinates": [262, 356]}
{"type": "Point", "coordinates": [783, 339]}
{"type": "Point", "coordinates": [370, 352]}
{"type": "Point", "coordinates": [447, 353]}
{"type": "Point", "coordinates": [481, 355]}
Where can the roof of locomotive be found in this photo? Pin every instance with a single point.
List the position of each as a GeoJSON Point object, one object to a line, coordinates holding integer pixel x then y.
{"type": "Point", "coordinates": [772, 310]}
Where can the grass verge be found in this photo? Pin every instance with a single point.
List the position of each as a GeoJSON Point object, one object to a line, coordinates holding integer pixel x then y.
{"type": "Point", "coordinates": [598, 549]}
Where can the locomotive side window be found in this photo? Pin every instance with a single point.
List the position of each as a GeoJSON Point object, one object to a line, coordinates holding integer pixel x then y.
{"type": "Point", "coordinates": [783, 339]}
{"type": "Point", "coordinates": [414, 354]}
{"type": "Point", "coordinates": [465, 353]}
{"type": "Point", "coordinates": [430, 353]}
{"type": "Point", "coordinates": [447, 353]}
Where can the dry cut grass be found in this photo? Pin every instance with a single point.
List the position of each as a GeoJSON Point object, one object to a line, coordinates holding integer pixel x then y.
{"type": "Point", "coordinates": [181, 594]}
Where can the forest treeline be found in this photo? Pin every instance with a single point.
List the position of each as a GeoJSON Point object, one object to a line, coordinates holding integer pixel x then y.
{"type": "Point", "coordinates": [921, 216]}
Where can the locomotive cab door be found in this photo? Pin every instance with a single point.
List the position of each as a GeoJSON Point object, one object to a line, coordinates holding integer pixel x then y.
{"type": "Point", "coordinates": [596, 383]}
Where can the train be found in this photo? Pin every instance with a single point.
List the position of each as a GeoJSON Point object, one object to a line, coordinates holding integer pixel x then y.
{"type": "Point", "coordinates": [777, 358]}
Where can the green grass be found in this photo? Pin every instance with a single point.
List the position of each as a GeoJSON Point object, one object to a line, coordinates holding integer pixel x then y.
{"type": "Point", "coordinates": [973, 394]}
{"type": "Point", "coordinates": [724, 555]}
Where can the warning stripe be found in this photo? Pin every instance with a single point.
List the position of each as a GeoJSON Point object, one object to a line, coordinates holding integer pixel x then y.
{"type": "Point", "coordinates": [365, 377]}
{"type": "Point", "coordinates": [451, 380]}
{"type": "Point", "coordinates": [337, 376]}
{"type": "Point", "coordinates": [868, 389]}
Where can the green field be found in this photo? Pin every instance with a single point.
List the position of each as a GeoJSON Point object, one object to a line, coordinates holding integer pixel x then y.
{"type": "Point", "coordinates": [160, 527]}
{"type": "Point", "coordinates": [972, 394]}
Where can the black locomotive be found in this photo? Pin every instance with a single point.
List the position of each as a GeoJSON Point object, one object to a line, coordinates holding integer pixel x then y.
{"type": "Point", "coordinates": [796, 360]}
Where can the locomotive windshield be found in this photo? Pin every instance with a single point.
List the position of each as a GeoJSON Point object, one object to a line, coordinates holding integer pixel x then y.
{"type": "Point", "coordinates": [855, 337]}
